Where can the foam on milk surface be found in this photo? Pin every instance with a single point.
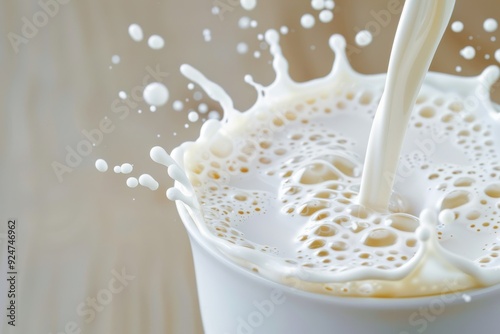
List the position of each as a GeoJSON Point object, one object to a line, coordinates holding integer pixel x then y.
{"type": "Point", "coordinates": [276, 186]}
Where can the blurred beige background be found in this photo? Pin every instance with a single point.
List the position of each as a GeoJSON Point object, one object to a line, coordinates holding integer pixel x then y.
{"type": "Point", "coordinates": [75, 237]}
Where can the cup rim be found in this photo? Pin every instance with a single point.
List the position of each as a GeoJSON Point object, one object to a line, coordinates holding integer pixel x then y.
{"type": "Point", "coordinates": [365, 302]}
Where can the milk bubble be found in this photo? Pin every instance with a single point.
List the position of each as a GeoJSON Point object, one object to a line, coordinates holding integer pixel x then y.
{"type": "Point", "coordinates": [156, 94]}
{"type": "Point", "coordinates": [497, 55]}
{"type": "Point", "coordinates": [135, 32]}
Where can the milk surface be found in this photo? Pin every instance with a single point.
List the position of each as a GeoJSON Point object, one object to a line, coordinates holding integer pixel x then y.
{"type": "Point", "coordinates": [297, 190]}
{"type": "Point", "coordinates": [276, 188]}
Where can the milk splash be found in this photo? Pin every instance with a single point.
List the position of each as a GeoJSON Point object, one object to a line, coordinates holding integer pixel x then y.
{"type": "Point", "coordinates": [275, 188]}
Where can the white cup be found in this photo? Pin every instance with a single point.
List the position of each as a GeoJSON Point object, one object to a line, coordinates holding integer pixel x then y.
{"type": "Point", "coordinates": [235, 300]}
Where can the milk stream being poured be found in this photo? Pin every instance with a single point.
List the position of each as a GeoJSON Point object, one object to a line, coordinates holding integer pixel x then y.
{"type": "Point", "coordinates": [420, 30]}
{"type": "Point", "coordinates": [277, 188]}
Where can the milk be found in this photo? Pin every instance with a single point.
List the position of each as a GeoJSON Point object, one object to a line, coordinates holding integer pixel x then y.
{"type": "Point", "coordinates": [276, 188]}
{"type": "Point", "coordinates": [421, 27]}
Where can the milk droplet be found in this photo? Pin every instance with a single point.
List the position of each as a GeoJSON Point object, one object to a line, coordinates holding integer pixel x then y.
{"type": "Point", "coordinates": [242, 48]}
{"type": "Point", "coordinates": [256, 54]}
{"type": "Point", "coordinates": [213, 115]}
{"type": "Point", "coordinates": [156, 42]}
{"type": "Point", "coordinates": [253, 24]}
{"type": "Point", "coordinates": [122, 95]}
{"type": "Point", "coordinates": [135, 32]}
{"type": "Point", "coordinates": [152, 108]}
{"type": "Point", "coordinates": [203, 108]}
{"type": "Point", "coordinates": [117, 169]}
{"type": "Point", "coordinates": [126, 168]}
{"type": "Point", "coordinates": [148, 181]}
{"type": "Point", "coordinates": [101, 165]}
{"type": "Point", "coordinates": [190, 86]}
{"type": "Point", "coordinates": [326, 16]}
{"type": "Point", "coordinates": [446, 217]}
{"type": "Point", "coordinates": [307, 21]}
{"type": "Point", "coordinates": [329, 4]}
{"type": "Point", "coordinates": [423, 233]}
{"type": "Point", "coordinates": [318, 4]}
{"type": "Point", "coordinates": [159, 155]}
{"type": "Point", "coordinates": [178, 105]}
{"type": "Point", "coordinates": [457, 26]}
{"type": "Point", "coordinates": [193, 116]}
{"type": "Point", "coordinates": [215, 10]}
{"type": "Point", "coordinates": [248, 4]}
{"type": "Point", "coordinates": [197, 96]}
{"type": "Point", "coordinates": [115, 59]}
{"type": "Point", "coordinates": [244, 22]}
{"type": "Point", "coordinates": [497, 55]}
{"type": "Point", "coordinates": [284, 30]}
{"type": "Point", "coordinates": [363, 38]}
{"type": "Point", "coordinates": [132, 182]}
{"type": "Point", "coordinates": [468, 52]}
{"type": "Point", "coordinates": [490, 25]}
{"type": "Point", "coordinates": [207, 35]}
{"type": "Point", "coordinates": [156, 94]}
{"type": "Point", "coordinates": [458, 69]}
